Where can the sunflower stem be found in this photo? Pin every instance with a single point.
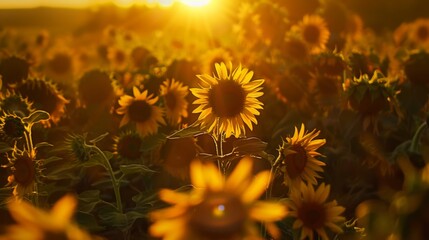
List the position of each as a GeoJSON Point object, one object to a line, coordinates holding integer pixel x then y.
{"type": "Point", "coordinates": [112, 177]}
{"type": "Point", "coordinates": [416, 138]}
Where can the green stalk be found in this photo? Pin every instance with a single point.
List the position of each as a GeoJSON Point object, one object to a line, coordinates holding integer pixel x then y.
{"type": "Point", "coordinates": [112, 177]}
{"type": "Point", "coordinates": [416, 138]}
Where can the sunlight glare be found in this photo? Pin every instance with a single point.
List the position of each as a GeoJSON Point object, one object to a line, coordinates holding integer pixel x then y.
{"type": "Point", "coordinates": [195, 3]}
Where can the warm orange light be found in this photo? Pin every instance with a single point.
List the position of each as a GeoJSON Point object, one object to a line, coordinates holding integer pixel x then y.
{"type": "Point", "coordinates": [195, 3]}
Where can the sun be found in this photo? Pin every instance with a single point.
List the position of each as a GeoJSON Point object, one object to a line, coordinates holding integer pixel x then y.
{"type": "Point", "coordinates": [195, 3]}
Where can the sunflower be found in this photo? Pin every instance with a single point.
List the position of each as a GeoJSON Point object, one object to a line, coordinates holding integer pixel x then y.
{"type": "Point", "coordinates": [128, 145]}
{"type": "Point", "coordinates": [12, 126]}
{"type": "Point", "coordinates": [420, 31]}
{"type": "Point", "coordinates": [15, 104]}
{"type": "Point", "coordinates": [228, 101]}
{"type": "Point", "coordinates": [213, 56]}
{"type": "Point", "coordinates": [23, 174]}
{"type": "Point", "coordinates": [299, 152]}
{"type": "Point", "coordinates": [44, 95]}
{"type": "Point", "coordinates": [314, 31]}
{"type": "Point", "coordinates": [174, 94]}
{"type": "Point", "coordinates": [96, 81]}
{"type": "Point", "coordinates": [217, 208]}
{"type": "Point", "coordinates": [312, 213]}
{"type": "Point", "coordinates": [142, 111]}
{"type": "Point", "coordinates": [34, 224]}
{"type": "Point", "coordinates": [13, 70]}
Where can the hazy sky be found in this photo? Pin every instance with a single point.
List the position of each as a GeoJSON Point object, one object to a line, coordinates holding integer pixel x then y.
{"type": "Point", "coordinates": [63, 3]}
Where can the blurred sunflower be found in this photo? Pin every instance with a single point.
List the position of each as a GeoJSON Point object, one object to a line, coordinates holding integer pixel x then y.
{"type": "Point", "coordinates": [127, 145]}
{"type": "Point", "coordinates": [313, 214]}
{"type": "Point", "coordinates": [13, 70]}
{"type": "Point", "coordinates": [214, 56]}
{"type": "Point", "coordinates": [23, 174]}
{"type": "Point", "coordinates": [299, 152]}
{"type": "Point", "coordinates": [142, 111]}
{"type": "Point", "coordinates": [218, 208]}
{"type": "Point", "coordinates": [228, 100]}
{"type": "Point", "coordinates": [174, 94]}
{"type": "Point", "coordinates": [419, 33]}
{"type": "Point", "coordinates": [118, 58]}
{"type": "Point", "coordinates": [44, 95]}
{"type": "Point", "coordinates": [16, 104]}
{"type": "Point", "coordinates": [314, 31]}
{"type": "Point", "coordinates": [177, 154]}
{"type": "Point", "coordinates": [61, 62]}
{"type": "Point", "coordinates": [96, 81]}
{"type": "Point", "coordinates": [35, 224]}
{"type": "Point", "coordinates": [12, 126]}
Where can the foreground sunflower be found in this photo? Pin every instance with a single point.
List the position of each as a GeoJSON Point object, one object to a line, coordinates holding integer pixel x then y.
{"type": "Point", "coordinates": [23, 175]}
{"type": "Point", "coordinates": [142, 111]}
{"type": "Point", "coordinates": [218, 208]}
{"type": "Point", "coordinates": [314, 31]}
{"type": "Point", "coordinates": [313, 214]}
{"type": "Point", "coordinates": [174, 94]}
{"type": "Point", "coordinates": [228, 100]}
{"type": "Point", "coordinates": [299, 152]}
{"type": "Point", "coordinates": [35, 224]}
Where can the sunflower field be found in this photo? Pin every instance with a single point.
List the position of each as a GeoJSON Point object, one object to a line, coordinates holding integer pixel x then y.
{"type": "Point", "coordinates": [214, 120]}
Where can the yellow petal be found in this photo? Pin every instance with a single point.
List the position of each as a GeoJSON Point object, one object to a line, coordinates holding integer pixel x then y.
{"type": "Point", "coordinates": [256, 188]}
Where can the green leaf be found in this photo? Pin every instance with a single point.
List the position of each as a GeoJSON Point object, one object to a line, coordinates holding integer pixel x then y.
{"type": "Point", "coordinates": [88, 222]}
{"type": "Point", "coordinates": [191, 131]}
{"type": "Point", "coordinates": [37, 116]}
{"type": "Point", "coordinates": [88, 200]}
{"type": "Point", "coordinates": [4, 147]}
{"type": "Point", "coordinates": [248, 146]}
{"type": "Point", "coordinates": [110, 217]}
{"type": "Point", "coordinates": [135, 168]}
{"type": "Point", "coordinates": [43, 144]}
{"type": "Point", "coordinates": [99, 138]}
{"type": "Point", "coordinates": [152, 142]}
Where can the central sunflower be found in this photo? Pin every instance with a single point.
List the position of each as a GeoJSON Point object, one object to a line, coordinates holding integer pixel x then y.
{"type": "Point", "coordinates": [142, 111]}
{"type": "Point", "coordinates": [228, 100]}
{"type": "Point", "coordinates": [217, 208]}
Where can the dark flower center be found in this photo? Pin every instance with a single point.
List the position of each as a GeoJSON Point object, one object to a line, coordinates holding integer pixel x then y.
{"type": "Point", "coordinates": [24, 170]}
{"type": "Point", "coordinates": [296, 162]}
{"type": "Point", "coordinates": [129, 146]}
{"type": "Point", "coordinates": [13, 127]}
{"type": "Point", "coordinates": [120, 57]}
{"type": "Point", "coordinates": [14, 70]}
{"type": "Point", "coordinates": [311, 34]}
{"type": "Point", "coordinates": [139, 111]}
{"type": "Point", "coordinates": [170, 100]}
{"type": "Point", "coordinates": [312, 214]}
{"type": "Point", "coordinates": [227, 99]}
{"type": "Point", "coordinates": [423, 33]}
{"type": "Point", "coordinates": [61, 63]}
{"type": "Point", "coordinates": [219, 216]}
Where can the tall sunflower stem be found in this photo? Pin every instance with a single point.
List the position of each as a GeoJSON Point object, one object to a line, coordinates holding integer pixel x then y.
{"type": "Point", "coordinates": [32, 155]}
{"type": "Point", "coordinates": [115, 182]}
{"type": "Point", "coordinates": [416, 138]}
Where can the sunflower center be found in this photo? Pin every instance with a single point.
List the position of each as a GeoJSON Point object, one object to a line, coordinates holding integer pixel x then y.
{"type": "Point", "coordinates": [24, 170]}
{"type": "Point", "coordinates": [51, 235]}
{"type": "Point", "coordinates": [170, 100]}
{"type": "Point", "coordinates": [129, 146]}
{"type": "Point", "coordinates": [423, 33]}
{"type": "Point", "coordinates": [61, 63]}
{"type": "Point", "coordinates": [296, 162]}
{"type": "Point", "coordinates": [311, 34]}
{"type": "Point", "coordinates": [219, 216]}
{"type": "Point", "coordinates": [139, 111]}
{"type": "Point", "coordinates": [227, 99]}
{"type": "Point", "coordinates": [312, 214]}
{"type": "Point", "coordinates": [13, 127]}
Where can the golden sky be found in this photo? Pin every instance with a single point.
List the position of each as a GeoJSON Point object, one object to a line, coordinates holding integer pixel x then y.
{"type": "Point", "coordinates": [86, 3]}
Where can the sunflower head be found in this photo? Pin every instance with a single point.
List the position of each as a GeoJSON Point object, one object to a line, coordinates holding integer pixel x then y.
{"type": "Point", "coordinates": [420, 31]}
{"type": "Point", "coordinates": [96, 81]}
{"type": "Point", "coordinates": [13, 70]}
{"type": "Point", "coordinates": [296, 49]}
{"type": "Point", "coordinates": [61, 63]}
{"type": "Point", "coordinates": [141, 111]}
{"type": "Point", "coordinates": [312, 212]}
{"type": "Point", "coordinates": [174, 95]}
{"type": "Point", "coordinates": [45, 96]}
{"type": "Point", "coordinates": [228, 100]}
{"type": "Point", "coordinates": [369, 96]}
{"type": "Point", "coordinates": [330, 64]}
{"type": "Point", "coordinates": [16, 104]}
{"type": "Point", "coordinates": [299, 157]}
{"type": "Point", "coordinates": [77, 148]}
{"type": "Point", "coordinates": [12, 126]}
{"type": "Point", "coordinates": [23, 173]}
{"type": "Point", "coordinates": [142, 58]}
{"type": "Point", "coordinates": [117, 58]}
{"type": "Point", "coordinates": [217, 208]}
{"type": "Point", "coordinates": [212, 57]}
{"type": "Point", "coordinates": [314, 32]}
{"type": "Point", "coordinates": [128, 146]}
{"type": "Point", "coordinates": [417, 68]}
